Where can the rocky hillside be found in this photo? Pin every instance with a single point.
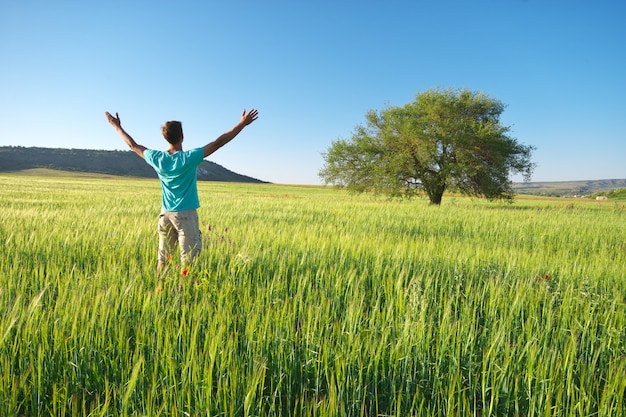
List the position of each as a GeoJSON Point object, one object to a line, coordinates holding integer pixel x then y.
{"type": "Point", "coordinates": [124, 163]}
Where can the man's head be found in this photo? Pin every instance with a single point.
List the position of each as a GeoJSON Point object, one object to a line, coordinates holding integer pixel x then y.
{"type": "Point", "coordinates": [173, 132]}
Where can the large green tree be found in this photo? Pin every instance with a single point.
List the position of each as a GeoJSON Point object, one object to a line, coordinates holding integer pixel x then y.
{"type": "Point", "coordinates": [445, 139]}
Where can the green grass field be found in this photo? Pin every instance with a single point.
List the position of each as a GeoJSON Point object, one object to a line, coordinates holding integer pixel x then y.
{"type": "Point", "coordinates": [309, 302]}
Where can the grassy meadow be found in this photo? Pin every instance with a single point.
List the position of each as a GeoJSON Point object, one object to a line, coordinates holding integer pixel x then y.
{"type": "Point", "coordinates": [308, 302]}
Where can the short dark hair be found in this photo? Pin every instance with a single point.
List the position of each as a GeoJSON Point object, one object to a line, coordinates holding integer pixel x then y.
{"type": "Point", "coordinates": [172, 132]}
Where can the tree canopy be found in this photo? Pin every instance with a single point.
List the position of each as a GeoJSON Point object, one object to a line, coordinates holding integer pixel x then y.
{"type": "Point", "coordinates": [445, 139]}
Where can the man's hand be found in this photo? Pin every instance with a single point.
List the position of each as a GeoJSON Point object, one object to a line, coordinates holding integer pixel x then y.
{"type": "Point", "coordinates": [224, 138]}
{"type": "Point", "coordinates": [115, 121]}
{"type": "Point", "coordinates": [247, 118]}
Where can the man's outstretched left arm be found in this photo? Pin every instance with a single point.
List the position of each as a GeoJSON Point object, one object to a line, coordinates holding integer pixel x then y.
{"type": "Point", "coordinates": [134, 146]}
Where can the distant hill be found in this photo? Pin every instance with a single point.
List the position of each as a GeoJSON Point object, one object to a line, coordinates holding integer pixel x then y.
{"type": "Point", "coordinates": [124, 163]}
{"type": "Point", "coordinates": [568, 188]}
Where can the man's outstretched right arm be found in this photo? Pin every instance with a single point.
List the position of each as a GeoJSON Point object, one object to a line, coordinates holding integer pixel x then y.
{"type": "Point", "coordinates": [134, 146]}
{"type": "Point", "coordinates": [223, 139]}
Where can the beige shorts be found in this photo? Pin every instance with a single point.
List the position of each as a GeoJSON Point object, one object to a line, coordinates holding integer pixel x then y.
{"type": "Point", "coordinates": [179, 227]}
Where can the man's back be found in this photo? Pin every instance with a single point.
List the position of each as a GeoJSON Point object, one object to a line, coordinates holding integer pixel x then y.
{"type": "Point", "coordinates": [177, 173]}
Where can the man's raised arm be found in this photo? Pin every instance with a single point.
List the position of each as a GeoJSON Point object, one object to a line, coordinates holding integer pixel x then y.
{"type": "Point", "coordinates": [224, 138]}
{"type": "Point", "coordinates": [134, 146]}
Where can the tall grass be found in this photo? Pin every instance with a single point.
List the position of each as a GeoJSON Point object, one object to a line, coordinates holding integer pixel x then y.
{"type": "Point", "coordinates": [308, 301]}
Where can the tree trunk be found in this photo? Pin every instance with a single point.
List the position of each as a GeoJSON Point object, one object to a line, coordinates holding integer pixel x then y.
{"type": "Point", "coordinates": [435, 197]}
{"type": "Point", "coordinates": [434, 189]}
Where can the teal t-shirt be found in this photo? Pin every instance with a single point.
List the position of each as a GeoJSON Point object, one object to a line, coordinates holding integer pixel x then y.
{"type": "Point", "coordinates": [177, 173]}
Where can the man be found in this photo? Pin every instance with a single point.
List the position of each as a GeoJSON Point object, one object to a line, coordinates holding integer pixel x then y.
{"type": "Point", "coordinates": [178, 221]}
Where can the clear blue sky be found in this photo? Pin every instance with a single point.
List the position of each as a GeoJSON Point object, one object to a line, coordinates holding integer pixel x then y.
{"type": "Point", "coordinates": [312, 69]}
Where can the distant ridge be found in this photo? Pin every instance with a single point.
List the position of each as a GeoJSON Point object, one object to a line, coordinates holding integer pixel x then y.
{"type": "Point", "coordinates": [124, 163]}
{"type": "Point", "coordinates": [568, 188]}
